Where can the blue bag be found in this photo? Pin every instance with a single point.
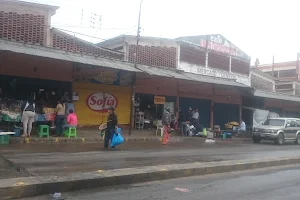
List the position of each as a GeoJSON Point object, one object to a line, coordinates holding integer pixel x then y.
{"type": "Point", "coordinates": [117, 138]}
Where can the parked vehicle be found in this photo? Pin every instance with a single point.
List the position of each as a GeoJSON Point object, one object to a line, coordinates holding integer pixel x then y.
{"type": "Point", "coordinates": [278, 130]}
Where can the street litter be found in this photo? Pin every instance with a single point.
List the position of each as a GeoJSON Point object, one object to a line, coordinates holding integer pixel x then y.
{"type": "Point", "coordinates": [181, 189]}
{"type": "Point", "coordinates": [210, 141]}
{"type": "Point", "coordinates": [56, 195]}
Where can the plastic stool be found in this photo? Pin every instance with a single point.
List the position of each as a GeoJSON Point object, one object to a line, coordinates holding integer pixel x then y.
{"type": "Point", "coordinates": [204, 132]}
{"type": "Point", "coordinates": [71, 132]}
{"type": "Point", "coordinates": [43, 130]}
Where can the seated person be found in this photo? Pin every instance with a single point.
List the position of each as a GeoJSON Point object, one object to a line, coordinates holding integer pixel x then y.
{"type": "Point", "coordinates": [242, 128]}
{"type": "Point", "coordinates": [71, 120]}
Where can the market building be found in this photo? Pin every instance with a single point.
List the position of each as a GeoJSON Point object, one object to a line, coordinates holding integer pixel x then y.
{"type": "Point", "coordinates": [205, 72]}
{"type": "Point", "coordinates": [49, 64]}
{"type": "Point", "coordinates": [221, 72]}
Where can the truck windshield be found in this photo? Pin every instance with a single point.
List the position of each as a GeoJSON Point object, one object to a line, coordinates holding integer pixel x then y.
{"type": "Point", "coordinates": [275, 122]}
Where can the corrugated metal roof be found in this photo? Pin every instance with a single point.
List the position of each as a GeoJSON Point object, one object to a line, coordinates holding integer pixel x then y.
{"type": "Point", "coordinates": [48, 52]}
{"type": "Point", "coordinates": [188, 76]}
{"type": "Point", "coordinates": [276, 95]}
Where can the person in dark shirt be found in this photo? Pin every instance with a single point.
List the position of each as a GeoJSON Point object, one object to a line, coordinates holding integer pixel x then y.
{"type": "Point", "coordinates": [189, 116]}
{"type": "Point", "coordinates": [182, 123]}
{"type": "Point", "coordinates": [112, 122]}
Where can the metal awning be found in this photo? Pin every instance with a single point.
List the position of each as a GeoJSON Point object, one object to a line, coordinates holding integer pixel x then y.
{"type": "Point", "coordinates": [53, 53]}
{"type": "Point", "coordinates": [275, 95]}
{"type": "Point", "coordinates": [48, 52]}
{"type": "Point", "coordinates": [171, 73]}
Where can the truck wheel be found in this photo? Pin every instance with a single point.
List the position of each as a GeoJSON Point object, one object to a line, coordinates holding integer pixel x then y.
{"type": "Point", "coordinates": [280, 139]}
{"type": "Point", "coordinates": [298, 139]}
{"type": "Point", "coordinates": [256, 139]}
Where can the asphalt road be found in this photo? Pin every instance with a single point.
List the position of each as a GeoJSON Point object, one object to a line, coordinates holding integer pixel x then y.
{"type": "Point", "coordinates": [56, 160]}
{"type": "Point", "coordinates": [276, 183]}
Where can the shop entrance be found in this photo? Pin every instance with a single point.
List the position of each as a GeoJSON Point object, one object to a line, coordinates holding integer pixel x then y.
{"type": "Point", "coordinates": [147, 112]}
{"type": "Point", "coordinates": [224, 113]}
{"type": "Point", "coordinates": [201, 104]}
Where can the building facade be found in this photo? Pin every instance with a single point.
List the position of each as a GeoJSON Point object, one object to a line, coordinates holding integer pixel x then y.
{"type": "Point", "coordinates": [205, 72]}
{"type": "Point", "coordinates": [186, 54]}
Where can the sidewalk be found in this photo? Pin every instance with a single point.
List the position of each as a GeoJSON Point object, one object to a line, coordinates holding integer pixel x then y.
{"type": "Point", "coordinates": [92, 135]}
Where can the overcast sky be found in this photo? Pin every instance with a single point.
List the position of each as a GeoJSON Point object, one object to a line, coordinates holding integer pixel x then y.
{"type": "Point", "coordinates": [261, 28]}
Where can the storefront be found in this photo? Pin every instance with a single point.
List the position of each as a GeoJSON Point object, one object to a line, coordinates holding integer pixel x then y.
{"type": "Point", "coordinates": [227, 106]}
{"type": "Point", "coordinates": [197, 96]}
{"type": "Point", "coordinates": [21, 76]}
{"type": "Point", "coordinates": [202, 105]}
{"type": "Point", "coordinates": [153, 96]}
{"type": "Point", "coordinates": [97, 89]}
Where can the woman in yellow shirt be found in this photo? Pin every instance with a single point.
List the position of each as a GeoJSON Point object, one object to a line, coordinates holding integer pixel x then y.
{"type": "Point", "coordinates": [60, 117]}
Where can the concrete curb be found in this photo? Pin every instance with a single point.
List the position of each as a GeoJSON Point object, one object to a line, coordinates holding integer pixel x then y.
{"type": "Point", "coordinates": [33, 186]}
{"type": "Point", "coordinates": [54, 140]}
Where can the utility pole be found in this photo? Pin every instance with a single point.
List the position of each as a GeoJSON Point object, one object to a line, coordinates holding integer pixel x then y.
{"type": "Point", "coordinates": [273, 66]}
{"type": "Point", "coordinates": [135, 65]}
{"type": "Point", "coordinates": [298, 65]}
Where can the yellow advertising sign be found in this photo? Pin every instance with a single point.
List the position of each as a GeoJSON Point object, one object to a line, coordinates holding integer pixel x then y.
{"type": "Point", "coordinates": [94, 100]}
{"type": "Point", "coordinates": [159, 100]}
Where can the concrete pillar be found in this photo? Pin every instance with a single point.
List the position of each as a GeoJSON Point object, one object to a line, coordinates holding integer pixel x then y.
{"type": "Point", "coordinates": [229, 64]}
{"type": "Point", "coordinates": [177, 99]}
{"type": "Point", "coordinates": [212, 108]}
{"type": "Point", "coordinates": [178, 56]}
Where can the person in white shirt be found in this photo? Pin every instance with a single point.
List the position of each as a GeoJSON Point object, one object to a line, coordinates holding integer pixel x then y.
{"type": "Point", "coordinates": [196, 115]}
{"type": "Point", "coordinates": [242, 128]}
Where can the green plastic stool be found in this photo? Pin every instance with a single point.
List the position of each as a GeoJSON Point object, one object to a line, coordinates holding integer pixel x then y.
{"type": "Point", "coordinates": [204, 133]}
{"type": "Point", "coordinates": [71, 132]}
{"type": "Point", "coordinates": [43, 130]}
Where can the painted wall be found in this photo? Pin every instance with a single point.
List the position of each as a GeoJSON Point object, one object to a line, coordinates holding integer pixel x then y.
{"type": "Point", "coordinates": [12, 64]}
{"type": "Point", "coordinates": [91, 108]}
{"type": "Point", "coordinates": [156, 86]}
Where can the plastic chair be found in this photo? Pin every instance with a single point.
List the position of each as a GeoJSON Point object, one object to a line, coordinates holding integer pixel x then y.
{"type": "Point", "coordinates": [160, 126]}
{"type": "Point", "coordinates": [71, 132]}
{"type": "Point", "coordinates": [43, 130]}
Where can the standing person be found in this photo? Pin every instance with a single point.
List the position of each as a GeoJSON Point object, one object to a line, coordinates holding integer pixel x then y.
{"type": "Point", "coordinates": [182, 123]}
{"type": "Point", "coordinates": [69, 106]}
{"type": "Point", "coordinates": [60, 117]}
{"type": "Point", "coordinates": [112, 122]}
{"type": "Point", "coordinates": [195, 116]}
{"type": "Point", "coordinates": [189, 116]}
{"type": "Point", "coordinates": [166, 120]}
{"type": "Point", "coordinates": [28, 113]}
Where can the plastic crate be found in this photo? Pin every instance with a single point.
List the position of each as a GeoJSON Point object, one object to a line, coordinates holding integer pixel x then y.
{"type": "Point", "coordinates": [4, 139]}
{"type": "Point", "coordinates": [8, 119]}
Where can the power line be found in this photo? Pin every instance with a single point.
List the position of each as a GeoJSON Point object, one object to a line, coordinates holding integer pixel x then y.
{"type": "Point", "coordinates": [82, 34]}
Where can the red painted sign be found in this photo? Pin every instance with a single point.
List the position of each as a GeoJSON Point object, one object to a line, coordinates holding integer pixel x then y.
{"type": "Point", "coordinates": [100, 101]}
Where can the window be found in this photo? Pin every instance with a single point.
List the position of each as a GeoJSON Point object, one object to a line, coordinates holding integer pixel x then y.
{"type": "Point", "coordinates": [293, 124]}
{"type": "Point", "coordinates": [275, 122]}
{"type": "Point", "coordinates": [298, 123]}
